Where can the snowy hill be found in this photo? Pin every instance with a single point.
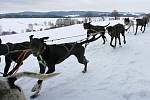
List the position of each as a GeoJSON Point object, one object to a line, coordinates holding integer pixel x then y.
{"type": "Point", "coordinates": [56, 14]}
{"type": "Point", "coordinates": [113, 74]}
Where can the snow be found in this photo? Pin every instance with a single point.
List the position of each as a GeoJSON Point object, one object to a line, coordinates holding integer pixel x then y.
{"type": "Point", "coordinates": [122, 73]}
{"type": "Point", "coordinates": [23, 23]}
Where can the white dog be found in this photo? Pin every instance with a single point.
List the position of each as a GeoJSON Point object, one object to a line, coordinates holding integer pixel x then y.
{"type": "Point", "coordinates": [129, 23]}
{"type": "Point", "coordinates": [10, 91]}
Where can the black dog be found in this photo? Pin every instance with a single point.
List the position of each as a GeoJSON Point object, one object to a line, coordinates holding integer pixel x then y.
{"type": "Point", "coordinates": [114, 32]}
{"type": "Point", "coordinates": [94, 30]}
{"type": "Point", "coordinates": [50, 55]}
{"type": "Point", "coordinates": [141, 22]}
{"type": "Point", "coordinates": [11, 55]}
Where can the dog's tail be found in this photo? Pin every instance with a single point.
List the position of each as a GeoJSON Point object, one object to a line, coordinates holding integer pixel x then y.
{"type": "Point", "coordinates": [32, 75]}
{"type": "Point", "coordinates": [107, 25]}
{"type": "Point", "coordinates": [90, 40]}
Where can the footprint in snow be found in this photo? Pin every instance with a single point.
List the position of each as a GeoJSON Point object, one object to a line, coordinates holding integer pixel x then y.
{"type": "Point", "coordinates": [132, 62]}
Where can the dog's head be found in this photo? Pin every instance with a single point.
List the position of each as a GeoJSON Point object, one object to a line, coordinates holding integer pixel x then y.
{"type": "Point", "coordinates": [87, 25]}
{"type": "Point", "coordinates": [37, 45]}
{"type": "Point", "coordinates": [126, 21]}
{"type": "Point", "coordinates": [109, 29]}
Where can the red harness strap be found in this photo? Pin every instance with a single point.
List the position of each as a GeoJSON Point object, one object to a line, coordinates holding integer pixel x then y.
{"type": "Point", "coordinates": [16, 68]}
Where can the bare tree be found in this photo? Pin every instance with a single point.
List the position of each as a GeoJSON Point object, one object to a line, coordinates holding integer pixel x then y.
{"type": "Point", "coordinates": [115, 14]}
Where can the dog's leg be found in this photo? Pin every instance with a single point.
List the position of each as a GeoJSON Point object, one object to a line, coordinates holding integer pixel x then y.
{"type": "Point", "coordinates": [36, 89]}
{"type": "Point", "coordinates": [85, 61]}
{"type": "Point", "coordinates": [39, 82]}
{"type": "Point", "coordinates": [111, 41]}
{"type": "Point", "coordinates": [144, 28]}
{"type": "Point", "coordinates": [141, 27]}
{"type": "Point", "coordinates": [81, 58]}
{"type": "Point", "coordinates": [51, 69]}
{"type": "Point", "coordinates": [124, 38]}
{"type": "Point", "coordinates": [119, 40]}
{"type": "Point", "coordinates": [133, 27]}
{"type": "Point", "coordinates": [104, 38]}
{"type": "Point", "coordinates": [136, 29]}
{"type": "Point", "coordinates": [38, 85]}
{"type": "Point", "coordinates": [115, 41]}
{"type": "Point", "coordinates": [7, 66]}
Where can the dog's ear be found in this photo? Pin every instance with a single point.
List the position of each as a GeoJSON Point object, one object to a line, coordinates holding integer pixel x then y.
{"type": "Point", "coordinates": [44, 38]}
{"type": "Point", "coordinates": [89, 22]}
{"type": "Point", "coordinates": [31, 37]}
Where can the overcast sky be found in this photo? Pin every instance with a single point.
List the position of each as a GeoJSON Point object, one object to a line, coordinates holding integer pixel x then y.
{"type": "Point", "coordinates": [67, 5]}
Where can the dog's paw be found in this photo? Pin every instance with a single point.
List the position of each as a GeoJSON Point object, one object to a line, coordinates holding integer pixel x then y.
{"type": "Point", "coordinates": [84, 71]}
{"type": "Point", "coordinates": [36, 87]}
{"type": "Point", "coordinates": [36, 94]}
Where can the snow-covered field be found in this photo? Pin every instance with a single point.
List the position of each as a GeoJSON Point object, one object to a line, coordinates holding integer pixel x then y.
{"type": "Point", "coordinates": [9, 24]}
{"type": "Point", "coordinates": [113, 74]}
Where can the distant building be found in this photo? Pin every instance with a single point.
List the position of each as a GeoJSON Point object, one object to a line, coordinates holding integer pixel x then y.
{"type": "Point", "coordinates": [64, 22]}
